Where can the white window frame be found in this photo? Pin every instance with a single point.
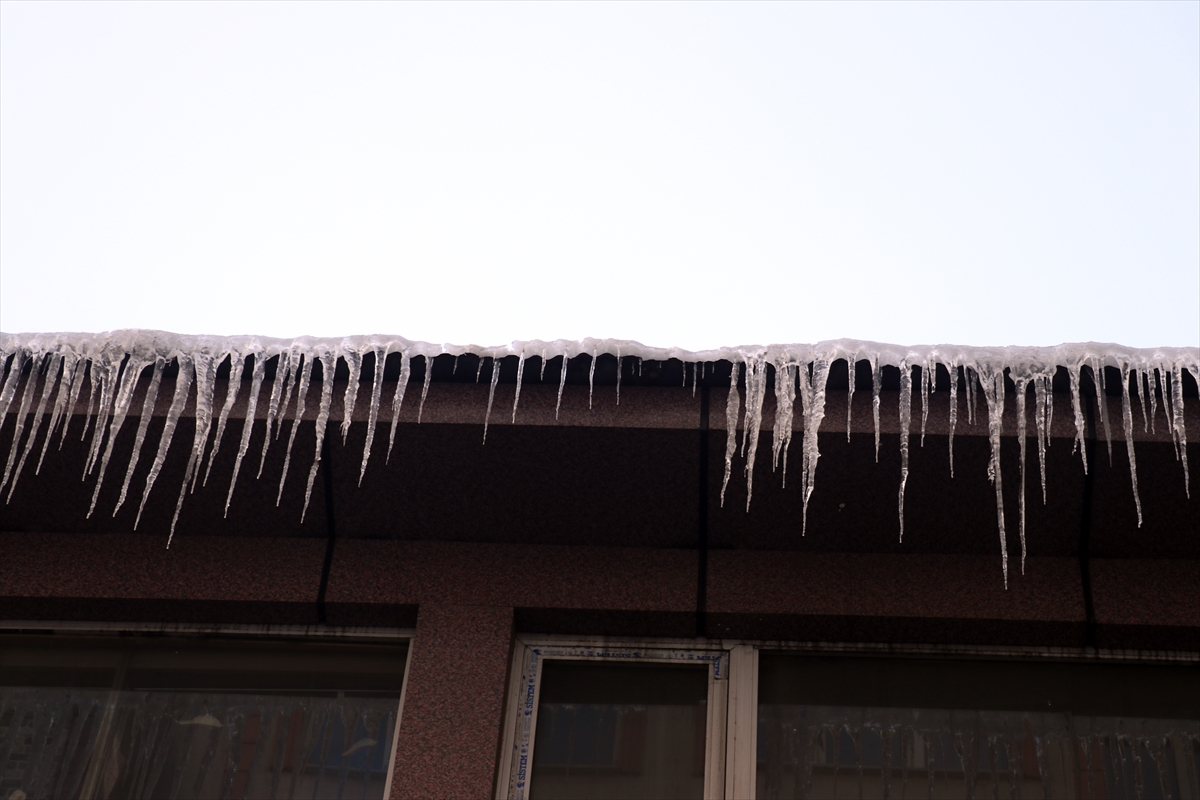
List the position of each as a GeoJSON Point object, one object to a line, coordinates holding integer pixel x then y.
{"type": "Point", "coordinates": [326, 633]}
{"type": "Point", "coordinates": [731, 726]}
{"type": "Point", "coordinates": [731, 759]}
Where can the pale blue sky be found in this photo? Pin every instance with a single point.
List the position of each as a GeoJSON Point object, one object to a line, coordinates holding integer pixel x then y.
{"type": "Point", "coordinates": [682, 174]}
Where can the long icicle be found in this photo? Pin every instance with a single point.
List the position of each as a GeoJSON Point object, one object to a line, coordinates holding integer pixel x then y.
{"type": "Point", "coordinates": [756, 390]}
{"type": "Point", "coordinates": [812, 389]}
{"type": "Point", "coordinates": [328, 366]}
{"type": "Point", "coordinates": [305, 372]}
{"type": "Point", "coordinates": [398, 400]}
{"type": "Point", "coordinates": [1127, 424]}
{"type": "Point", "coordinates": [133, 373]}
{"type": "Point", "coordinates": [992, 381]}
{"type": "Point", "coordinates": [425, 386]}
{"type": "Point", "coordinates": [905, 422]}
{"type": "Point", "coordinates": [206, 375]}
{"type": "Point", "coordinates": [562, 382]}
{"type": "Point", "coordinates": [237, 364]}
{"type": "Point", "coordinates": [953, 368]}
{"type": "Point", "coordinates": [148, 403]}
{"type": "Point", "coordinates": [495, 378]}
{"type": "Point", "coordinates": [851, 367]}
{"type": "Point", "coordinates": [373, 411]}
{"type": "Point", "coordinates": [22, 418]}
{"type": "Point", "coordinates": [256, 382]}
{"type": "Point", "coordinates": [67, 374]}
{"type": "Point", "coordinates": [732, 409]}
{"type": "Point", "coordinates": [283, 368]}
{"type": "Point", "coordinates": [876, 385]}
{"type": "Point", "coordinates": [52, 378]}
{"type": "Point", "coordinates": [183, 383]}
{"type": "Point", "coordinates": [1022, 384]}
{"type": "Point", "coordinates": [353, 361]}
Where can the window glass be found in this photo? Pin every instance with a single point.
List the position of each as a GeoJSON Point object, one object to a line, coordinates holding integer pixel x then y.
{"type": "Point", "coordinates": [875, 727]}
{"type": "Point", "coordinates": [619, 730]}
{"type": "Point", "coordinates": [140, 717]}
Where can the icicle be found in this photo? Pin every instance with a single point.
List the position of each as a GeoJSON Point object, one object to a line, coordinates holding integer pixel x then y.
{"type": "Point", "coordinates": [756, 390]}
{"type": "Point", "coordinates": [927, 385]}
{"type": "Point", "coordinates": [283, 371]}
{"type": "Point", "coordinates": [69, 361]}
{"type": "Point", "coordinates": [619, 376]}
{"type": "Point", "coordinates": [425, 385]}
{"type": "Point", "coordinates": [1076, 376]}
{"type": "Point", "coordinates": [160, 364]}
{"type": "Point", "coordinates": [398, 400]}
{"type": "Point", "coordinates": [78, 373]}
{"type": "Point", "coordinates": [183, 383]}
{"type": "Point", "coordinates": [812, 390]}
{"type": "Point", "coordinates": [328, 366]}
{"type": "Point", "coordinates": [969, 378]}
{"type": "Point", "coordinates": [304, 372]}
{"type": "Point", "coordinates": [237, 364]}
{"type": "Point", "coordinates": [732, 407]}
{"type": "Point", "coordinates": [1102, 404]}
{"type": "Point", "coordinates": [591, 379]}
{"type": "Point", "coordinates": [373, 412]}
{"type": "Point", "coordinates": [1049, 406]}
{"type": "Point", "coordinates": [1022, 384]}
{"type": "Point", "coordinates": [1143, 389]}
{"type": "Point", "coordinates": [992, 382]}
{"type": "Point", "coordinates": [953, 369]}
{"type": "Point", "coordinates": [256, 381]}
{"type": "Point", "coordinates": [1169, 407]}
{"type": "Point", "coordinates": [129, 381]}
{"type": "Point", "coordinates": [9, 389]}
{"type": "Point", "coordinates": [1177, 425]}
{"type": "Point", "coordinates": [1182, 433]}
{"type": "Point", "coordinates": [521, 374]}
{"type": "Point", "coordinates": [94, 385]}
{"type": "Point", "coordinates": [785, 398]}
{"type": "Point", "coordinates": [109, 370]}
{"type": "Point", "coordinates": [1044, 399]}
{"type": "Point", "coordinates": [206, 376]}
{"type": "Point", "coordinates": [562, 382]}
{"type": "Point", "coordinates": [905, 422]}
{"type": "Point", "coordinates": [495, 378]}
{"type": "Point", "coordinates": [22, 419]}
{"type": "Point", "coordinates": [542, 367]}
{"type": "Point", "coordinates": [851, 369]}
{"type": "Point", "coordinates": [479, 369]}
{"type": "Point", "coordinates": [1127, 423]}
{"type": "Point", "coordinates": [353, 360]}
{"type": "Point", "coordinates": [876, 385]}
{"type": "Point", "coordinates": [206, 379]}
{"type": "Point", "coordinates": [1152, 390]}
{"type": "Point", "coordinates": [49, 385]}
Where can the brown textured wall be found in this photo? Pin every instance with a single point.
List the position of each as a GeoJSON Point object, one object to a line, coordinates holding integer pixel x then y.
{"type": "Point", "coordinates": [454, 703]}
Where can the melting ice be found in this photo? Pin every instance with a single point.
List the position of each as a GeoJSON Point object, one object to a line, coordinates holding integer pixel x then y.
{"type": "Point", "coordinates": [44, 376]}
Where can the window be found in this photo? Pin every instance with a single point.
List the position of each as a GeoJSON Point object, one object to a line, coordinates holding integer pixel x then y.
{"type": "Point", "coordinates": [849, 726]}
{"type": "Point", "coordinates": [615, 721]}
{"type": "Point", "coordinates": [197, 716]}
{"type": "Point", "coordinates": [623, 719]}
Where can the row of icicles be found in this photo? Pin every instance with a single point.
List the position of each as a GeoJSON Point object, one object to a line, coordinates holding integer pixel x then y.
{"type": "Point", "coordinates": [54, 367]}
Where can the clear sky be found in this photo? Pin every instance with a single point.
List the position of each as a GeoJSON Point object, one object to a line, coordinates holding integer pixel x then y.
{"type": "Point", "coordinates": [682, 174]}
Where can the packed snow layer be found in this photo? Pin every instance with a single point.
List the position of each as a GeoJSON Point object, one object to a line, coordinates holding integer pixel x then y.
{"type": "Point", "coordinates": [115, 362]}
